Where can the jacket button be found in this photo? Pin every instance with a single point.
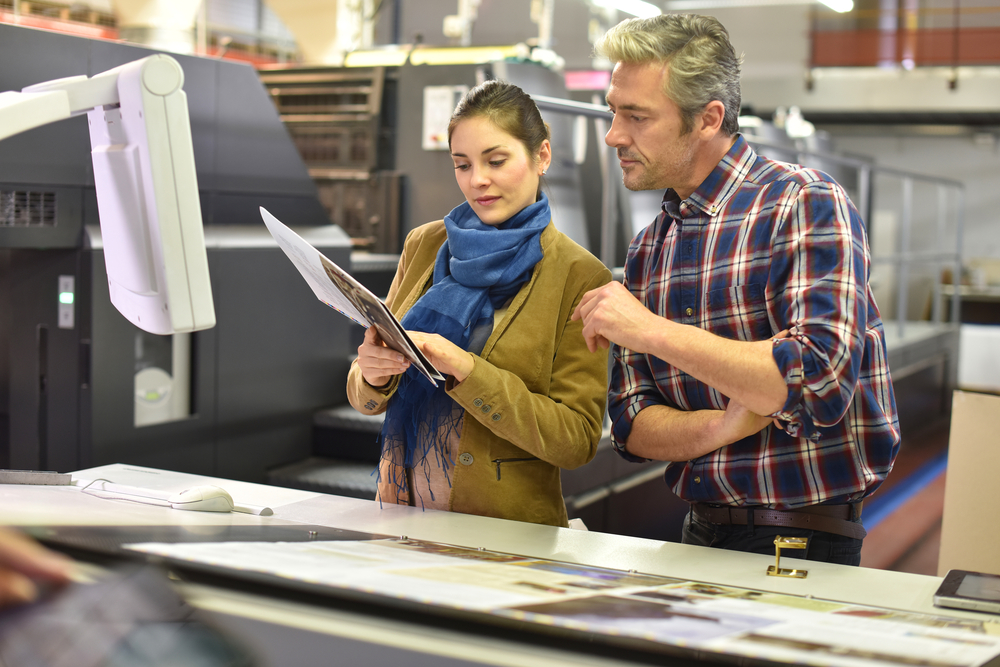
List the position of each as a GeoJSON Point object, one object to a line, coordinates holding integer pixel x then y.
{"type": "Point", "coordinates": [496, 416]}
{"type": "Point", "coordinates": [689, 312]}
{"type": "Point", "coordinates": [486, 409]}
{"type": "Point", "coordinates": [697, 480]}
{"type": "Point", "coordinates": [477, 402]}
{"type": "Point", "coordinates": [466, 459]}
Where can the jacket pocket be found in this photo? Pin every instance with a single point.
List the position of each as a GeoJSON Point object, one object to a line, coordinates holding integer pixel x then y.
{"type": "Point", "coordinates": [500, 462]}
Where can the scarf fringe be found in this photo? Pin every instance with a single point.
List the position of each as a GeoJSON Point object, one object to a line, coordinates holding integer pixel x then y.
{"type": "Point", "coordinates": [435, 423]}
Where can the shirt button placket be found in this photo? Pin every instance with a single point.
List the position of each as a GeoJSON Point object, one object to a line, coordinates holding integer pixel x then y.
{"type": "Point", "coordinates": [688, 244]}
{"type": "Point", "coordinates": [698, 484]}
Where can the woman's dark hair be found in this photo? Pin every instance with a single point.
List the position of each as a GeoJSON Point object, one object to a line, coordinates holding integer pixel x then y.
{"type": "Point", "coordinates": [509, 108]}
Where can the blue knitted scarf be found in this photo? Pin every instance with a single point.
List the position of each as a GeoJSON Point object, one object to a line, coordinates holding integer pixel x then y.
{"type": "Point", "coordinates": [477, 270]}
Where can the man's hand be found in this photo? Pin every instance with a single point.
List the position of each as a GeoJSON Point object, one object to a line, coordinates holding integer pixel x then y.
{"type": "Point", "coordinates": [447, 357]}
{"type": "Point", "coordinates": [611, 314]}
{"type": "Point", "coordinates": [663, 433]}
{"type": "Point", "coordinates": [738, 422]}
{"type": "Point", "coordinates": [22, 562]}
{"type": "Point", "coordinates": [377, 362]}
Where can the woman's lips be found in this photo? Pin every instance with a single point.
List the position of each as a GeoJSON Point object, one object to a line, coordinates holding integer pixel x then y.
{"type": "Point", "coordinates": [486, 201]}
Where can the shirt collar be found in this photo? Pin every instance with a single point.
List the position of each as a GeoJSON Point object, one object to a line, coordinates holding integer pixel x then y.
{"type": "Point", "coordinates": [721, 184]}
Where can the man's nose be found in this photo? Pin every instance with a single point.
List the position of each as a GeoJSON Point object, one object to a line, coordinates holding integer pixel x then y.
{"type": "Point", "coordinates": [613, 137]}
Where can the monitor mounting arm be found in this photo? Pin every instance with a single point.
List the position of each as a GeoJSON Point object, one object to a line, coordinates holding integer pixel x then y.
{"type": "Point", "coordinates": [147, 188]}
{"type": "Point", "coordinates": [48, 102]}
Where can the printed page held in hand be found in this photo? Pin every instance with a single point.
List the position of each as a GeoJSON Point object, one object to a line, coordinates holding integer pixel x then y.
{"type": "Point", "coordinates": [339, 290]}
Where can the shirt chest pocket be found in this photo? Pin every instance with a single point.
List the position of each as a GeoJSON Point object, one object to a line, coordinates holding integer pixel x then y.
{"type": "Point", "coordinates": [739, 313]}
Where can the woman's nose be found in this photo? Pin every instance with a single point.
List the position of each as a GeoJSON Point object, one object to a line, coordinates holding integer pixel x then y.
{"type": "Point", "coordinates": [480, 178]}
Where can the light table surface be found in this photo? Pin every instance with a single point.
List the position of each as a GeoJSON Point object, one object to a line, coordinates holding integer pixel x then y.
{"type": "Point", "coordinates": [69, 505]}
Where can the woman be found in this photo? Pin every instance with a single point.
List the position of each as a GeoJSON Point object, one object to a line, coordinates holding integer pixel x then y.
{"type": "Point", "coordinates": [488, 295]}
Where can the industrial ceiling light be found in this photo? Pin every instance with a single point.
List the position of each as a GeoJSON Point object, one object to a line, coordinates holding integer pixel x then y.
{"type": "Point", "coordinates": [638, 8]}
{"type": "Point", "coordinates": [839, 5]}
{"type": "Point", "coordinates": [700, 5]}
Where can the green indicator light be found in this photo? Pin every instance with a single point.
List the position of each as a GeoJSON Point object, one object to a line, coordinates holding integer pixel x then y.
{"type": "Point", "coordinates": [65, 297]}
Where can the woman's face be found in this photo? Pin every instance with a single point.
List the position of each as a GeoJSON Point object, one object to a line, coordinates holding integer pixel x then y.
{"type": "Point", "coordinates": [494, 170]}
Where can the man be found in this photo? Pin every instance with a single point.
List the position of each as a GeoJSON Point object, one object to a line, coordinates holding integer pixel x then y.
{"type": "Point", "coordinates": [747, 346]}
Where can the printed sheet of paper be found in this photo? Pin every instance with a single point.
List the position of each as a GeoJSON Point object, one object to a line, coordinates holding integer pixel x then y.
{"type": "Point", "coordinates": [339, 290]}
{"type": "Point", "coordinates": [614, 603]}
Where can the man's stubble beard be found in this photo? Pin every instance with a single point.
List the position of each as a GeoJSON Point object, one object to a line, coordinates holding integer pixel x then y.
{"type": "Point", "coordinates": [641, 182]}
{"type": "Point", "coordinates": [670, 174]}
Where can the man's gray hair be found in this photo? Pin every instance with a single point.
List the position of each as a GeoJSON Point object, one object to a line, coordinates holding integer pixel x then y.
{"type": "Point", "coordinates": [703, 65]}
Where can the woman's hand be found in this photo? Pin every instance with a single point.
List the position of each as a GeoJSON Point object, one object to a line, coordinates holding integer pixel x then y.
{"type": "Point", "coordinates": [23, 562]}
{"type": "Point", "coordinates": [377, 362]}
{"type": "Point", "coordinates": [447, 357]}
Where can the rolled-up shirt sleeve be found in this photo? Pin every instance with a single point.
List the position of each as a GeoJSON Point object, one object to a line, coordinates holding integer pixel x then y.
{"type": "Point", "coordinates": [631, 388]}
{"type": "Point", "coordinates": [818, 279]}
{"type": "Point", "coordinates": [634, 383]}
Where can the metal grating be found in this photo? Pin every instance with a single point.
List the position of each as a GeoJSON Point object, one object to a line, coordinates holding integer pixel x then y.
{"type": "Point", "coordinates": [331, 113]}
{"type": "Point", "coordinates": [25, 208]}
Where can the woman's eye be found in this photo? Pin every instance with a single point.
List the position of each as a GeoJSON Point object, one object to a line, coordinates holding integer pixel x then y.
{"type": "Point", "coordinates": [497, 163]}
{"type": "Point", "coordinates": [461, 167]}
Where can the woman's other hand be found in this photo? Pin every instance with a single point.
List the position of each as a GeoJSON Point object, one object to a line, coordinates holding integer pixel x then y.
{"type": "Point", "coordinates": [447, 357]}
{"type": "Point", "coordinates": [377, 362]}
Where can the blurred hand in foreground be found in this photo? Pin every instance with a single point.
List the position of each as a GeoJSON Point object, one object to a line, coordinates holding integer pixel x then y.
{"type": "Point", "coordinates": [24, 564]}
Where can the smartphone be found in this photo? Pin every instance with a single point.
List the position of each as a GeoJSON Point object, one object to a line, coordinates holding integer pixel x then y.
{"type": "Point", "coordinates": [975, 591]}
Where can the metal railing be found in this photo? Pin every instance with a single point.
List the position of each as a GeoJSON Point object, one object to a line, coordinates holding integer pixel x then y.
{"type": "Point", "coordinates": [608, 160]}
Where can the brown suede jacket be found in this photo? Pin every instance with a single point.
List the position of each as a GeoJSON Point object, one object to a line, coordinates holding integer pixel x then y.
{"type": "Point", "coordinates": [535, 400]}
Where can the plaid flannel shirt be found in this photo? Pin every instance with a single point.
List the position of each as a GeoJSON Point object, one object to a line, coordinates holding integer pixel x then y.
{"type": "Point", "coordinates": [763, 246]}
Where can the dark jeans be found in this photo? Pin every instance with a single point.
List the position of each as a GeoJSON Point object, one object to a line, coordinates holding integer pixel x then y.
{"type": "Point", "coordinates": [825, 547]}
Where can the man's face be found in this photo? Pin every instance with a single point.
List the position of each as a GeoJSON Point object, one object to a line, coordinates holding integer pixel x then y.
{"type": "Point", "coordinates": [654, 151]}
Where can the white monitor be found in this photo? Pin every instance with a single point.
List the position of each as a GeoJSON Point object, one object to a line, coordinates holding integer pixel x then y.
{"type": "Point", "coordinates": [147, 189]}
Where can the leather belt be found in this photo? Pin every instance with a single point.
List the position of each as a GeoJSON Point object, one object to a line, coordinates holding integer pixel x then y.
{"type": "Point", "coordinates": [834, 519]}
